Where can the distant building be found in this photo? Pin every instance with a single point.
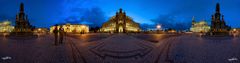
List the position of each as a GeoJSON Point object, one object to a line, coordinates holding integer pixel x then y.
{"type": "Point", "coordinates": [171, 30]}
{"type": "Point", "coordinates": [22, 23]}
{"type": "Point", "coordinates": [73, 28]}
{"type": "Point", "coordinates": [218, 24]}
{"type": "Point", "coordinates": [40, 30]}
{"type": "Point", "coordinates": [6, 26]}
{"type": "Point", "coordinates": [201, 26]}
{"type": "Point", "coordinates": [120, 23]}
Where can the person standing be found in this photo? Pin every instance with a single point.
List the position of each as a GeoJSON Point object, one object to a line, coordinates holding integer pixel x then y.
{"type": "Point", "coordinates": [62, 33]}
{"type": "Point", "coordinates": [56, 32]}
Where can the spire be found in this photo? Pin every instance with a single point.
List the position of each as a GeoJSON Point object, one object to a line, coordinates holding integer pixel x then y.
{"type": "Point", "coordinates": [193, 21]}
{"type": "Point", "coordinates": [21, 7]}
{"type": "Point", "coordinates": [193, 18]}
{"type": "Point", "coordinates": [120, 10]}
{"type": "Point", "coordinates": [218, 8]}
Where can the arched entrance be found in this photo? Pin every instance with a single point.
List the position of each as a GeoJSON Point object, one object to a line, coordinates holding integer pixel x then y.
{"type": "Point", "coordinates": [120, 29]}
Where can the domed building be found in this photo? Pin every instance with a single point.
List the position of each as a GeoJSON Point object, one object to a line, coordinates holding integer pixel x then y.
{"type": "Point", "coordinates": [6, 26]}
{"type": "Point", "coordinates": [120, 23]}
{"type": "Point", "coordinates": [200, 26]}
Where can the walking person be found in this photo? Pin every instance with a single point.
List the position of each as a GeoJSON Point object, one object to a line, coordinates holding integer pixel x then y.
{"type": "Point", "coordinates": [62, 33]}
{"type": "Point", "coordinates": [56, 32]}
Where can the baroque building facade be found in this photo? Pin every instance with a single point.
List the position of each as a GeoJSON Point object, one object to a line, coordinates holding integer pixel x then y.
{"type": "Point", "coordinates": [201, 26]}
{"type": "Point", "coordinates": [72, 28]}
{"type": "Point", "coordinates": [6, 26]}
{"type": "Point", "coordinates": [120, 23]}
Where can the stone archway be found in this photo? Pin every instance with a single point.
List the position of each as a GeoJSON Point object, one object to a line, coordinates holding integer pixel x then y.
{"type": "Point", "coordinates": [120, 29]}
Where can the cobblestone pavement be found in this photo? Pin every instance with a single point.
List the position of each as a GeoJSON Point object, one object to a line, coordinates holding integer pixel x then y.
{"type": "Point", "coordinates": [121, 48]}
{"type": "Point", "coordinates": [39, 50]}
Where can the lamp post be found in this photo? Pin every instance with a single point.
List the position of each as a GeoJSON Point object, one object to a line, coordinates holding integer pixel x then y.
{"type": "Point", "coordinates": [158, 28]}
{"type": "Point", "coordinates": [235, 32]}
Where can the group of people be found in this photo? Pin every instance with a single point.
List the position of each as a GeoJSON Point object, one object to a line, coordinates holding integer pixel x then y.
{"type": "Point", "coordinates": [59, 34]}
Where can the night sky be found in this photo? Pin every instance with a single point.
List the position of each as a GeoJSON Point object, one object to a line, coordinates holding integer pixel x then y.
{"type": "Point", "coordinates": [45, 13]}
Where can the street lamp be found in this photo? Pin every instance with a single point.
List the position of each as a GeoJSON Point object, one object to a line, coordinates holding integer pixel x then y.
{"type": "Point", "coordinates": [159, 27]}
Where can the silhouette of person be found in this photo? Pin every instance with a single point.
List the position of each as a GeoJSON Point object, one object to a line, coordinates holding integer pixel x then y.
{"type": "Point", "coordinates": [62, 33]}
{"type": "Point", "coordinates": [56, 32]}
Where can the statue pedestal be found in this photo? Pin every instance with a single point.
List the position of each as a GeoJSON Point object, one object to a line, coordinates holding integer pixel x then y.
{"type": "Point", "coordinates": [218, 34]}
{"type": "Point", "coordinates": [22, 35]}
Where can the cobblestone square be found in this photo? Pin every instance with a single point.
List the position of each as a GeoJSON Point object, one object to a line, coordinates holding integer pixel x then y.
{"type": "Point", "coordinates": [121, 48]}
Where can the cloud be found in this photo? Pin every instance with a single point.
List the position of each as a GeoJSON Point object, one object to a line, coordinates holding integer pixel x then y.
{"type": "Point", "coordinates": [93, 16]}
{"type": "Point", "coordinates": [93, 11]}
{"type": "Point", "coordinates": [4, 17]}
{"type": "Point", "coordinates": [84, 12]}
{"type": "Point", "coordinates": [172, 21]}
{"type": "Point", "coordinates": [179, 13]}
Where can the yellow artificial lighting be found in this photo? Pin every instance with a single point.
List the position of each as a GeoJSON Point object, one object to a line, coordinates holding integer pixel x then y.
{"type": "Point", "coordinates": [200, 27]}
{"type": "Point", "coordinates": [120, 23]}
{"type": "Point", "coordinates": [73, 28]}
{"type": "Point", "coordinates": [6, 26]}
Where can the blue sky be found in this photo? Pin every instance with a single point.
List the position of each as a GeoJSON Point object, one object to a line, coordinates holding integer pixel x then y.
{"type": "Point", "coordinates": [45, 13]}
